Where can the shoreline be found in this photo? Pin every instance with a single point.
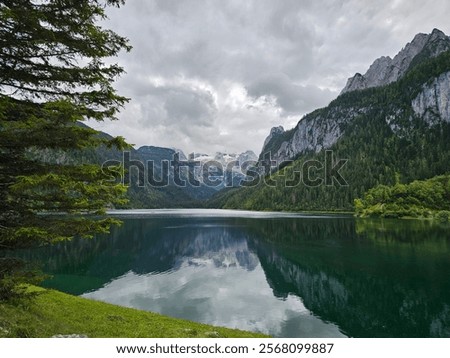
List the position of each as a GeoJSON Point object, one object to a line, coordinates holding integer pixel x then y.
{"type": "Point", "coordinates": [52, 313]}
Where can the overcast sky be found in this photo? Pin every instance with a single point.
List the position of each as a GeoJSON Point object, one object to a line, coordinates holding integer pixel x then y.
{"type": "Point", "coordinates": [216, 75]}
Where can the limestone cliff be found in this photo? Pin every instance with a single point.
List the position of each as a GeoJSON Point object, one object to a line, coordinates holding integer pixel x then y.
{"type": "Point", "coordinates": [322, 128]}
{"type": "Point", "coordinates": [386, 70]}
{"type": "Point", "coordinates": [433, 102]}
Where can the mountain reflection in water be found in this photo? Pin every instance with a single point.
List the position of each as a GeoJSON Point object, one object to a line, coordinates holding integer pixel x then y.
{"type": "Point", "coordinates": [294, 276]}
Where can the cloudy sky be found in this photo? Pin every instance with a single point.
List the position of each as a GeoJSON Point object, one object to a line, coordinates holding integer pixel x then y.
{"type": "Point", "coordinates": [216, 75]}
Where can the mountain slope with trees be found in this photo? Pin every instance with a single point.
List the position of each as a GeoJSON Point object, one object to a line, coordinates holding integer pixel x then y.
{"type": "Point", "coordinates": [381, 132]}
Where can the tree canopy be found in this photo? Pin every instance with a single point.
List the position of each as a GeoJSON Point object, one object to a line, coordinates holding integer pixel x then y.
{"type": "Point", "coordinates": [421, 198]}
{"type": "Point", "coordinates": [56, 70]}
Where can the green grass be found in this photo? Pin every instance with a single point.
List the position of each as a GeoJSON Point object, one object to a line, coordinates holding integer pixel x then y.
{"type": "Point", "coordinates": [52, 313]}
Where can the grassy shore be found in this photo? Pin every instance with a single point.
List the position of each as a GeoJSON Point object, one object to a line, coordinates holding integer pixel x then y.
{"type": "Point", "coordinates": [56, 313]}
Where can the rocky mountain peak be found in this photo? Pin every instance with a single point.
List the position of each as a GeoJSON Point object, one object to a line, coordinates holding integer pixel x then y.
{"type": "Point", "coordinates": [386, 70]}
{"type": "Point", "coordinates": [273, 133]}
{"type": "Point", "coordinates": [247, 156]}
{"type": "Point", "coordinates": [436, 33]}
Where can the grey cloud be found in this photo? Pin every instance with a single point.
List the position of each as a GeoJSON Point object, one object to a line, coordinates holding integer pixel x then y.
{"type": "Point", "coordinates": [216, 39]}
{"type": "Point", "coordinates": [187, 106]}
{"type": "Point", "coordinates": [177, 107]}
{"type": "Point", "coordinates": [292, 98]}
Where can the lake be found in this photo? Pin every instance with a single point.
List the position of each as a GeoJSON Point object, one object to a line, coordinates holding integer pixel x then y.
{"type": "Point", "coordinates": [287, 275]}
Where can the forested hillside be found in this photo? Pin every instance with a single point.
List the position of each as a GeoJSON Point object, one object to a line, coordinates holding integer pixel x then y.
{"type": "Point", "coordinates": [386, 136]}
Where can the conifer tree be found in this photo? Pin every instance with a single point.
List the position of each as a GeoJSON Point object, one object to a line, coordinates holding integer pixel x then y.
{"type": "Point", "coordinates": [55, 72]}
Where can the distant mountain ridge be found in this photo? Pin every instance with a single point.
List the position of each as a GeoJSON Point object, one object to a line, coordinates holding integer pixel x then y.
{"type": "Point", "coordinates": [227, 169]}
{"type": "Point", "coordinates": [146, 163]}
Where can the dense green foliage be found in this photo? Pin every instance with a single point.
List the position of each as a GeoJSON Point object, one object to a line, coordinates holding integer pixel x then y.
{"type": "Point", "coordinates": [421, 198]}
{"type": "Point", "coordinates": [56, 313]}
{"type": "Point", "coordinates": [52, 75]}
{"type": "Point", "coordinates": [376, 149]}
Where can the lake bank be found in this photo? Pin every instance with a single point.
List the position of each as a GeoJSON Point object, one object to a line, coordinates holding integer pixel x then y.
{"type": "Point", "coordinates": [56, 313]}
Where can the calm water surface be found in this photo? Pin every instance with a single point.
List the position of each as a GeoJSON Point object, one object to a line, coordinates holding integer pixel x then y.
{"type": "Point", "coordinates": [287, 275]}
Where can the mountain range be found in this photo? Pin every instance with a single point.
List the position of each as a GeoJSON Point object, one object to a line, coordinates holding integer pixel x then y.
{"type": "Point", "coordinates": [392, 122]}
{"type": "Point", "coordinates": [201, 176]}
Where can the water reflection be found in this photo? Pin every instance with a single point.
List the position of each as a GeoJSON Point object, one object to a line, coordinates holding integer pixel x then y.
{"type": "Point", "coordinates": [289, 277]}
